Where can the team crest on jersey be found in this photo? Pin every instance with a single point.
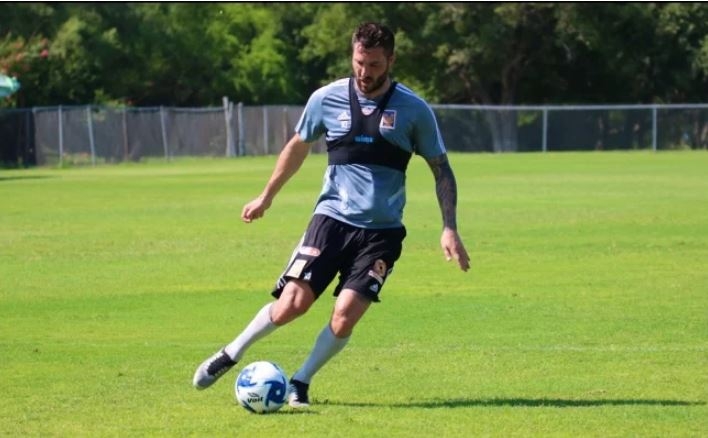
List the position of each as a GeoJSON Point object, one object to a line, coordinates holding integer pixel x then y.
{"type": "Point", "coordinates": [388, 120]}
{"type": "Point", "coordinates": [344, 119]}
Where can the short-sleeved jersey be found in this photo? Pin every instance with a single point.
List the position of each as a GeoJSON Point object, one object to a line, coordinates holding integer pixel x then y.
{"type": "Point", "coordinates": [368, 195]}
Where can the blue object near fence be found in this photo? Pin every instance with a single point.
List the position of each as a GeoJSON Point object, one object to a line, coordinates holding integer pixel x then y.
{"type": "Point", "coordinates": [8, 85]}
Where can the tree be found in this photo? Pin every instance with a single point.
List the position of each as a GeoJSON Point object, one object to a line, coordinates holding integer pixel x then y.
{"type": "Point", "coordinates": [253, 52]}
{"type": "Point", "coordinates": [23, 59]}
{"type": "Point", "coordinates": [481, 53]}
{"type": "Point", "coordinates": [474, 53]}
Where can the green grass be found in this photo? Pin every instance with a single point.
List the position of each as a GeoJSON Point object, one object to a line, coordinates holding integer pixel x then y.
{"type": "Point", "coordinates": [585, 312]}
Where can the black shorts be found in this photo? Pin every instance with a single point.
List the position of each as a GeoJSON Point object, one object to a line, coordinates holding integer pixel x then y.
{"type": "Point", "coordinates": [363, 258]}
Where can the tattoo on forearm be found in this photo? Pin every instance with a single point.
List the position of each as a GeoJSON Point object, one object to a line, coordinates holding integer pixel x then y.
{"type": "Point", "coordinates": [446, 189]}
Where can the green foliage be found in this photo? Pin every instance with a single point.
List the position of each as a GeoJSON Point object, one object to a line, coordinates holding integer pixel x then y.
{"type": "Point", "coordinates": [686, 26]}
{"type": "Point", "coordinates": [277, 53]}
{"type": "Point", "coordinates": [584, 313]}
{"type": "Point", "coordinates": [24, 58]}
{"type": "Point", "coordinates": [253, 49]}
{"type": "Point", "coordinates": [638, 53]}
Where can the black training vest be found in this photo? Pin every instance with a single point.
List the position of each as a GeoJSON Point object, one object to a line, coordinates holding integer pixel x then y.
{"type": "Point", "coordinates": [364, 144]}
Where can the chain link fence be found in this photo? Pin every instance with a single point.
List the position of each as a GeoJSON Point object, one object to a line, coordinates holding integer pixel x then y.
{"type": "Point", "coordinates": [96, 134]}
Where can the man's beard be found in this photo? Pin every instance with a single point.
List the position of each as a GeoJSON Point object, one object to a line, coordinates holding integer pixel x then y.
{"type": "Point", "coordinates": [371, 87]}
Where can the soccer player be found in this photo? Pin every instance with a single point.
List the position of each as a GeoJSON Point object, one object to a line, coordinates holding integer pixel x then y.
{"type": "Point", "coordinates": [372, 126]}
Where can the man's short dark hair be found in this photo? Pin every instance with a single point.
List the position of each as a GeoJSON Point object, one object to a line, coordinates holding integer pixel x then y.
{"type": "Point", "coordinates": [371, 35]}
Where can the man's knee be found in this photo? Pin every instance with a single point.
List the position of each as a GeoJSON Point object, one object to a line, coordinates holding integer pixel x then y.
{"type": "Point", "coordinates": [342, 325]}
{"type": "Point", "coordinates": [348, 310]}
{"type": "Point", "coordinates": [295, 300]}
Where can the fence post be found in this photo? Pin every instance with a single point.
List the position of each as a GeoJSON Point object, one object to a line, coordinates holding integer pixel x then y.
{"type": "Point", "coordinates": [228, 110]}
{"type": "Point", "coordinates": [241, 131]}
{"type": "Point", "coordinates": [164, 132]}
{"type": "Point", "coordinates": [125, 133]}
{"type": "Point", "coordinates": [27, 160]}
{"type": "Point", "coordinates": [265, 130]}
{"type": "Point", "coordinates": [285, 124]}
{"type": "Point", "coordinates": [89, 122]}
{"type": "Point", "coordinates": [61, 138]}
{"type": "Point", "coordinates": [545, 129]}
{"type": "Point", "coordinates": [653, 128]}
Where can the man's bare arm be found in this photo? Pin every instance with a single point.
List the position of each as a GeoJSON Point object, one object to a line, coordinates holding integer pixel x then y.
{"type": "Point", "coordinates": [289, 161]}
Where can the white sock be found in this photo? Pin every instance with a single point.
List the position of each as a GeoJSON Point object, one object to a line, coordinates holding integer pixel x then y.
{"type": "Point", "coordinates": [260, 326]}
{"type": "Point", "coordinates": [326, 346]}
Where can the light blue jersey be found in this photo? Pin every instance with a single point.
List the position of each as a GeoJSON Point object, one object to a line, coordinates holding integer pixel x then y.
{"type": "Point", "coordinates": [368, 195]}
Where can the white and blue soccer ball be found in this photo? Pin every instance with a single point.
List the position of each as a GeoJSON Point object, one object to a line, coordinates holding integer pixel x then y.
{"type": "Point", "coordinates": [262, 387]}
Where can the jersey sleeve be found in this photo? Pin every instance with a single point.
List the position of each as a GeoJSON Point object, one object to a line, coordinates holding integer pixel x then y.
{"type": "Point", "coordinates": [427, 140]}
{"type": "Point", "coordinates": [311, 124]}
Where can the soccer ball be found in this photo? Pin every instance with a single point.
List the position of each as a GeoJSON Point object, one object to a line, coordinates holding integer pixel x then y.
{"type": "Point", "coordinates": [261, 387]}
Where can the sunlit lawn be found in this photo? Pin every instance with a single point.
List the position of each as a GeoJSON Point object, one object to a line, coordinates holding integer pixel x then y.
{"type": "Point", "coordinates": [585, 312]}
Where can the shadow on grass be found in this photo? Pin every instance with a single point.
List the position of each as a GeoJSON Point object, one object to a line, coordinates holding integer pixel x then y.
{"type": "Point", "coordinates": [20, 177]}
{"type": "Point", "coordinates": [521, 402]}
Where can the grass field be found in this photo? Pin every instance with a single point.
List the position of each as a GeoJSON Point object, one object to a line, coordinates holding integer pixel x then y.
{"type": "Point", "coordinates": [585, 312]}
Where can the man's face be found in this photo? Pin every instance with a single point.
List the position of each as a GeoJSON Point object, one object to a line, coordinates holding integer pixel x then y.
{"type": "Point", "coordinates": [370, 68]}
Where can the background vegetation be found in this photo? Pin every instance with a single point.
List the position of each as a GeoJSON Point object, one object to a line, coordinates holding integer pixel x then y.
{"type": "Point", "coordinates": [189, 54]}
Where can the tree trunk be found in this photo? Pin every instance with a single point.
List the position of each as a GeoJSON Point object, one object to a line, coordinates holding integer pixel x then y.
{"type": "Point", "coordinates": [503, 126]}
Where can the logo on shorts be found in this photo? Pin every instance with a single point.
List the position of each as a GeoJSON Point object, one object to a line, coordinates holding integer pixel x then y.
{"type": "Point", "coordinates": [378, 271]}
{"type": "Point", "coordinates": [309, 250]}
{"type": "Point", "coordinates": [380, 267]}
{"type": "Point", "coordinates": [296, 268]}
{"type": "Point", "coordinates": [376, 276]}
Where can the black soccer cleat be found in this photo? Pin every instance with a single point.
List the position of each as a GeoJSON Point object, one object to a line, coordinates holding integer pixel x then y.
{"type": "Point", "coordinates": [297, 394]}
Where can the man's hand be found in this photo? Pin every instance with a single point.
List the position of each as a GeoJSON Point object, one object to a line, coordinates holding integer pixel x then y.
{"type": "Point", "coordinates": [254, 209]}
{"type": "Point", "coordinates": [454, 249]}
{"type": "Point", "coordinates": [289, 161]}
